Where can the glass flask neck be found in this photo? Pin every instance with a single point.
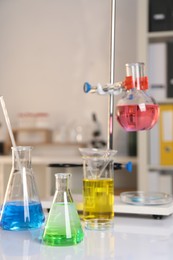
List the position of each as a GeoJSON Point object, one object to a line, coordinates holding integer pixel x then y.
{"type": "Point", "coordinates": [62, 181]}
{"type": "Point", "coordinates": [135, 77]}
{"type": "Point", "coordinates": [21, 156]}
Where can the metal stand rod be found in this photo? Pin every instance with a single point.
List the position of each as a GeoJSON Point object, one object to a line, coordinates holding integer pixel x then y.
{"type": "Point", "coordinates": [112, 80]}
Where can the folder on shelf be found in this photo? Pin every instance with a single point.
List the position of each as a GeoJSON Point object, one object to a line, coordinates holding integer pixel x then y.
{"type": "Point", "coordinates": [157, 70]}
{"type": "Point", "coordinates": [165, 182]}
{"type": "Point", "coordinates": [166, 134]}
{"type": "Point", "coordinates": [154, 145]}
{"type": "Point", "coordinates": [159, 15]}
{"type": "Point", "coordinates": [169, 69]}
{"type": "Point", "coordinates": [153, 181]}
{"type": "Point", "coordinates": [160, 181]}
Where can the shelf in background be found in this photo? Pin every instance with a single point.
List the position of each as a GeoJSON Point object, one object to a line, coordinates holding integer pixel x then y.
{"type": "Point", "coordinates": [160, 167]}
{"type": "Point", "coordinates": [60, 158]}
{"type": "Point", "coordinates": [160, 36]}
{"type": "Point", "coordinates": [166, 101]}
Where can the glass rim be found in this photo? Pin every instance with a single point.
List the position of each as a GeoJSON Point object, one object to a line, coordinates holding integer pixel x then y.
{"type": "Point", "coordinates": [63, 175]}
{"type": "Point", "coordinates": [90, 152]}
{"type": "Point", "coordinates": [135, 64]}
{"type": "Point", "coordinates": [21, 148]}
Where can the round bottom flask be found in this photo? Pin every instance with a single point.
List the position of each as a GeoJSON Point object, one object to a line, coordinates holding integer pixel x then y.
{"type": "Point", "coordinates": [136, 110]}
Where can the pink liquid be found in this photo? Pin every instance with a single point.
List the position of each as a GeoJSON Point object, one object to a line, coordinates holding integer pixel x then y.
{"type": "Point", "coordinates": [137, 117]}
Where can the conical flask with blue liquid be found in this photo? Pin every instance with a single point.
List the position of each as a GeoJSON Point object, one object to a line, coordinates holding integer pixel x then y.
{"type": "Point", "coordinates": [21, 209]}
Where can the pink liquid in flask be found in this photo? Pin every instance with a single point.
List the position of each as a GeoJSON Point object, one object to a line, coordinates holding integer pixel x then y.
{"type": "Point", "coordinates": [137, 117]}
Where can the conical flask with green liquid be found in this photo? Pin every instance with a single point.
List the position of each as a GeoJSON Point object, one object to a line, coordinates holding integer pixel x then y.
{"type": "Point", "coordinates": [63, 226]}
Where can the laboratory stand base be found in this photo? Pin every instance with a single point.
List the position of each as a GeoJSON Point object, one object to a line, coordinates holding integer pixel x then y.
{"type": "Point", "coordinates": [157, 211]}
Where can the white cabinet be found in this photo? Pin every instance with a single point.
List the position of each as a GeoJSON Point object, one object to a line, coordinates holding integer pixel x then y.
{"type": "Point", "coordinates": [145, 38]}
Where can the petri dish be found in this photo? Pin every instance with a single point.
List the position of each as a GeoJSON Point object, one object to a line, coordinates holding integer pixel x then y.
{"type": "Point", "coordinates": [145, 198]}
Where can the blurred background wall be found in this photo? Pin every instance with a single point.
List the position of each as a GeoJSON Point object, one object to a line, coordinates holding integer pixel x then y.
{"type": "Point", "coordinates": [49, 48]}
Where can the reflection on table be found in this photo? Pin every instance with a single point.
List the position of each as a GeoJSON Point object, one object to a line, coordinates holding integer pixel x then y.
{"type": "Point", "coordinates": [133, 237]}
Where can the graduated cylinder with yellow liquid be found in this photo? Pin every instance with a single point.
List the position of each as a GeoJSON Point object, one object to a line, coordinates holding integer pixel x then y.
{"type": "Point", "coordinates": [98, 188]}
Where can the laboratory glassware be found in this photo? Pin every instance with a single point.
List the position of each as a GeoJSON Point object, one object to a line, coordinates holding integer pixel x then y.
{"type": "Point", "coordinates": [21, 209]}
{"type": "Point", "coordinates": [136, 109]}
{"type": "Point", "coordinates": [98, 188]}
{"type": "Point", "coordinates": [63, 226]}
{"type": "Point", "coordinates": [146, 198]}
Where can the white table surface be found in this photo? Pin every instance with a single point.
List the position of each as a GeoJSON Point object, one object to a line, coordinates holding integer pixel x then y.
{"type": "Point", "coordinates": [132, 238]}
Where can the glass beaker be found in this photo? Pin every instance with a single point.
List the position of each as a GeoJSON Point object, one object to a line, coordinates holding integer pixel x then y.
{"type": "Point", "coordinates": [63, 226]}
{"type": "Point", "coordinates": [136, 110]}
{"type": "Point", "coordinates": [98, 188]}
{"type": "Point", "coordinates": [21, 209]}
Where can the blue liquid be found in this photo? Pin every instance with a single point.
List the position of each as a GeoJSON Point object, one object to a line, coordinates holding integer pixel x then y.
{"type": "Point", "coordinates": [13, 216]}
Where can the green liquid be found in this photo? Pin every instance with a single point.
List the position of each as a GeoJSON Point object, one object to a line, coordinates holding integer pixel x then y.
{"type": "Point", "coordinates": [53, 239]}
{"type": "Point", "coordinates": [63, 227]}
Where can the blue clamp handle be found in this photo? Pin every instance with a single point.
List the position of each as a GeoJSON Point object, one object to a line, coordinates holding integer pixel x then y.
{"type": "Point", "coordinates": [129, 166]}
{"type": "Point", "coordinates": [86, 87]}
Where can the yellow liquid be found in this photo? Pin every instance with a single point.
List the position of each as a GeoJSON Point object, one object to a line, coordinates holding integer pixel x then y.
{"type": "Point", "coordinates": [98, 196]}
